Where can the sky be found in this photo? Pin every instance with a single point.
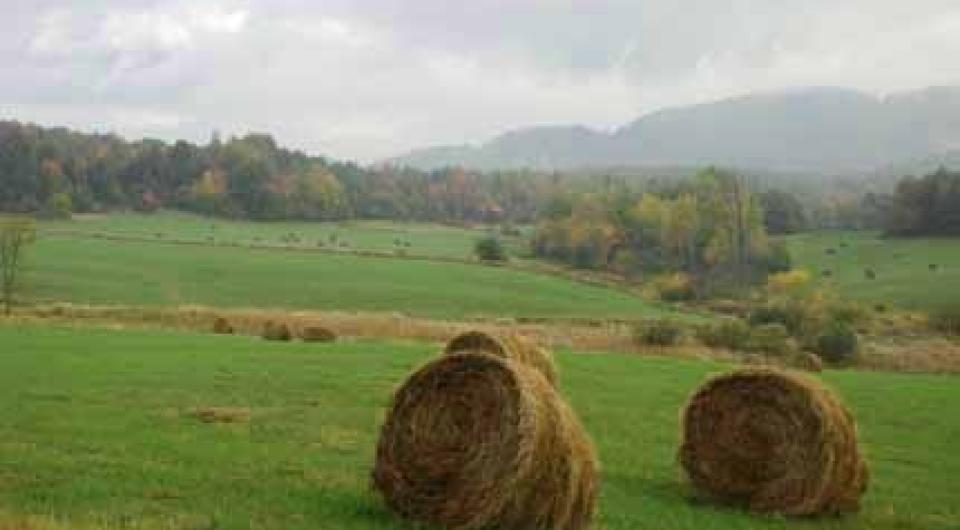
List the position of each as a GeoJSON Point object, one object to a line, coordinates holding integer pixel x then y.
{"type": "Point", "coordinates": [365, 80]}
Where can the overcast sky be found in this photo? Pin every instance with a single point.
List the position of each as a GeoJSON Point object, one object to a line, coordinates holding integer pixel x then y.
{"type": "Point", "coordinates": [369, 79]}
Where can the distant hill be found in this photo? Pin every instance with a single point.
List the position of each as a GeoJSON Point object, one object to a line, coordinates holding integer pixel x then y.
{"type": "Point", "coordinates": [811, 130]}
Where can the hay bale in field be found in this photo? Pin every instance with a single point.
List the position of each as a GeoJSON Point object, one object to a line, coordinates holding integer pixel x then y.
{"type": "Point", "coordinates": [275, 331]}
{"type": "Point", "coordinates": [773, 442]}
{"type": "Point", "coordinates": [476, 440]}
{"type": "Point", "coordinates": [514, 346]}
{"type": "Point", "coordinates": [221, 326]}
{"type": "Point", "coordinates": [317, 334]}
{"type": "Point", "coordinates": [810, 362]}
{"type": "Point", "coordinates": [221, 414]}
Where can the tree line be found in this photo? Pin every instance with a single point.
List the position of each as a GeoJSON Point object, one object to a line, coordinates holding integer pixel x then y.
{"type": "Point", "coordinates": [55, 171]}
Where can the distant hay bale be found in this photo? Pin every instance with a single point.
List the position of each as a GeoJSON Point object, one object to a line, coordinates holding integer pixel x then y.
{"type": "Point", "coordinates": [773, 442]}
{"type": "Point", "coordinates": [275, 331]}
{"type": "Point", "coordinates": [317, 334]}
{"type": "Point", "coordinates": [221, 414]}
{"type": "Point", "coordinates": [514, 347]}
{"type": "Point", "coordinates": [810, 362]}
{"type": "Point", "coordinates": [476, 440]}
{"type": "Point", "coordinates": [222, 326]}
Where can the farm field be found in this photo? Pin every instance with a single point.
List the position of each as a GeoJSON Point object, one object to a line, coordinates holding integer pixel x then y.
{"type": "Point", "coordinates": [95, 429]}
{"type": "Point", "coordinates": [904, 276]}
{"type": "Point", "coordinates": [96, 271]}
{"type": "Point", "coordinates": [420, 239]}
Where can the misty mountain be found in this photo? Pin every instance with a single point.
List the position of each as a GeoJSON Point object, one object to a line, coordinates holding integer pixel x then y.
{"type": "Point", "coordinates": [813, 130]}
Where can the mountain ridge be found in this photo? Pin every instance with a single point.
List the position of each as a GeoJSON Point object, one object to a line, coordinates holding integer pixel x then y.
{"type": "Point", "coordinates": [810, 129]}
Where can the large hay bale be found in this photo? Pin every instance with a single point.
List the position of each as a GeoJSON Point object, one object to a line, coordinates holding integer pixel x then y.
{"type": "Point", "coordinates": [516, 347]}
{"type": "Point", "coordinates": [317, 334]}
{"type": "Point", "coordinates": [475, 440]}
{"type": "Point", "coordinates": [277, 332]}
{"type": "Point", "coordinates": [221, 326]}
{"type": "Point", "coordinates": [773, 442]}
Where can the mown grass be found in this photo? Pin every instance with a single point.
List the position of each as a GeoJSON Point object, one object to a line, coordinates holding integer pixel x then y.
{"type": "Point", "coordinates": [420, 239]}
{"type": "Point", "coordinates": [62, 268]}
{"type": "Point", "coordinates": [903, 267]}
{"type": "Point", "coordinates": [95, 426]}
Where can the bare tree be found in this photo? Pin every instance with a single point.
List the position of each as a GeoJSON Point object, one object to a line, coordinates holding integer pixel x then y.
{"type": "Point", "coordinates": [15, 235]}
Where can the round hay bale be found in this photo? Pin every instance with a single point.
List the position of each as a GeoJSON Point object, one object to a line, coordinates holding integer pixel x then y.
{"type": "Point", "coordinates": [476, 441]}
{"type": "Point", "coordinates": [516, 347]}
{"type": "Point", "coordinates": [773, 442]}
{"type": "Point", "coordinates": [317, 334]}
{"type": "Point", "coordinates": [221, 326]}
{"type": "Point", "coordinates": [277, 332]}
{"type": "Point", "coordinates": [810, 362]}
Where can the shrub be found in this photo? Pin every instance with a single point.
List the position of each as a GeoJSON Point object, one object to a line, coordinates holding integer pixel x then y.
{"type": "Point", "coordinates": [770, 314]}
{"type": "Point", "coordinates": [870, 274]}
{"type": "Point", "coordinates": [662, 332]}
{"type": "Point", "coordinates": [778, 258]}
{"type": "Point", "coordinates": [788, 282]}
{"type": "Point", "coordinates": [677, 287]}
{"type": "Point", "coordinates": [837, 344]}
{"type": "Point", "coordinates": [729, 333]}
{"type": "Point", "coordinates": [490, 249]}
{"type": "Point", "coordinates": [771, 339]}
{"type": "Point", "coordinates": [946, 320]}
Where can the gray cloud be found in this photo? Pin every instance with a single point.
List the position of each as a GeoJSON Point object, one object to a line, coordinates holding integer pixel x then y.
{"type": "Point", "coordinates": [370, 79]}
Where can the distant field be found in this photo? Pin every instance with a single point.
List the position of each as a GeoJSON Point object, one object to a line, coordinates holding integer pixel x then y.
{"type": "Point", "coordinates": [63, 268]}
{"type": "Point", "coordinates": [420, 239]}
{"type": "Point", "coordinates": [902, 266]}
{"type": "Point", "coordinates": [94, 426]}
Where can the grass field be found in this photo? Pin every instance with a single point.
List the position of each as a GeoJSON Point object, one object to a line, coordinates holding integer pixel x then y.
{"type": "Point", "coordinates": [419, 239]}
{"type": "Point", "coordinates": [63, 268]}
{"type": "Point", "coordinates": [94, 427]}
{"type": "Point", "coordinates": [903, 274]}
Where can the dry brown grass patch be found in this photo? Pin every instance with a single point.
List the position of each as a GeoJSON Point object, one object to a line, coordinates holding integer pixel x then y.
{"type": "Point", "coordinates": [317, 334]}
{"type": "Point", "coordinates": [477, 440]}
{"type": "Point", "coordinates": [774, 442]}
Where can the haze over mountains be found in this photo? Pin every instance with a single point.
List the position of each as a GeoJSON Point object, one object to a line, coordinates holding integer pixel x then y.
{"type": "Point", "coordinates": [810, 130]}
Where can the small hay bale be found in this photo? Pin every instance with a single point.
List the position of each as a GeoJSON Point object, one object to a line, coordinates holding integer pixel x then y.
{"type": "Point", "coordinates": [810, 362]}
{"type": "Point", "coordinates": [514, 347]}
{"type": "Point", "coordinates": [221, 414]}
{"type": "Point", "coordinates": [773, 442]}
{"type": "Point", "coordinates": [277, 332]}
{"type": "Point", "coordinates": [317, 334]}
{"type": "Point", "coordinates": [475, 441]}
{"type": "Point", "coordinates": [222, 326]}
